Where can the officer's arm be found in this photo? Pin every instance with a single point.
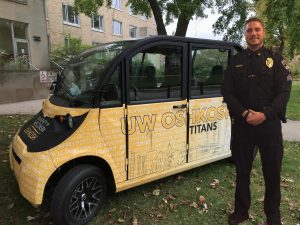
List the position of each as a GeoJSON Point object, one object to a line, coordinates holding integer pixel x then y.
{"type": "Point", "coordinates": [283, 84]}
{"type": "Point", "coordinates": [234, 106]}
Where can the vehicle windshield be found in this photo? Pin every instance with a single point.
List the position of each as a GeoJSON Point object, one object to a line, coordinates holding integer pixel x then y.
{"type": "Point", "coordinates": [78, 80]}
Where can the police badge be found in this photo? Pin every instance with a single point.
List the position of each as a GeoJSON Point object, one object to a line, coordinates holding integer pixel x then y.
{"type": "Point", "coordinates": [269, 62]}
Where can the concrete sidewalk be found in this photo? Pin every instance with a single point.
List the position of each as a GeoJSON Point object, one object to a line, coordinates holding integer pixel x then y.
{"type": "Point", "coordinates": [290, 130]}
{"type": "Point", "coordinates": [26, 107]}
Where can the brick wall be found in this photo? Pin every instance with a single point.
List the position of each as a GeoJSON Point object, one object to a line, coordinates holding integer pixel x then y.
{"type": "Point", "coordinates": [57, 29]}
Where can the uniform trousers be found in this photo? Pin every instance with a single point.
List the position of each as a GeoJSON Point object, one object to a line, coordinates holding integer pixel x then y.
{"type": "Point", "coordinates": [268, 138]}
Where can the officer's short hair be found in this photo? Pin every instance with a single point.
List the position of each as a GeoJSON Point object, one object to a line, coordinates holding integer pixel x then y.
{"type": "Point", "coordinates": [254, 19]}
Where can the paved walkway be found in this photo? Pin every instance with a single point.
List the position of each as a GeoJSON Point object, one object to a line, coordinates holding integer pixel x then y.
{"type": "Point", "coordinates": [291, 129]}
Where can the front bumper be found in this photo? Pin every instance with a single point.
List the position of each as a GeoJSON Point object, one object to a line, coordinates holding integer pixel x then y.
{"type": "Point", "coordinates": [32, 170]}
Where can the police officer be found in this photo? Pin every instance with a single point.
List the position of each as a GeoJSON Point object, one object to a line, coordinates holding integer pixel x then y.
{"type": "Point", "coordinates": [256, 88]}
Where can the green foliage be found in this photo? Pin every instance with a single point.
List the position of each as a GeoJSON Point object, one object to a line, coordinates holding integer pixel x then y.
{"type": "Point", "coordinates": [62, 54]}
{"type": "Point", "coordinates": [21, 63]}
{"type": "Point", "coordinates": [234, 13]}
{"type": "Point", "coordinates": [293, 107]}
{"type": "Point", "coordinates": [233, 16]}
{"type": "Point", "coordinates": [282, 20]}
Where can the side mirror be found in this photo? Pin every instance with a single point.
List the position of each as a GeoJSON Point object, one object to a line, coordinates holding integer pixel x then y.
{"type": "Point", "coordinates": [110, 92]}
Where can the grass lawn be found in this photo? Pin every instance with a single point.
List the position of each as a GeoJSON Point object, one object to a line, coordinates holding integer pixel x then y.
{"type": "Point", "coordinates": [173, 200]}
{"type": "Point", "coordinates": [293, 109]}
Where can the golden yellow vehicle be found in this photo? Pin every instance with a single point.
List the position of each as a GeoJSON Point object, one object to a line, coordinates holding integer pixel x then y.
{"type": "Point", "coordinates": [123, 114]}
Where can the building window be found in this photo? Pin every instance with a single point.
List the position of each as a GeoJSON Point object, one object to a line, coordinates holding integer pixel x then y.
{"type": "Point", "coordinates": [117, 28]}
{"type": "Point", "coordinates": [97, 23]}
{"type": "Point", "coordinates": [132, 31]}
{"type": "Point", "coordinates": [116, 4]}
{"type": "Point", "coordinates": [14, 45]}
{"type": "Point", "coordinates": [69, 15]}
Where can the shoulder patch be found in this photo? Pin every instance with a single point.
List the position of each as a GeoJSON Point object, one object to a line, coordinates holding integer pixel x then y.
{"type": "Point", "coordinates": [289, 78]}
{"type": "Point", "coordinates": [285, 65]}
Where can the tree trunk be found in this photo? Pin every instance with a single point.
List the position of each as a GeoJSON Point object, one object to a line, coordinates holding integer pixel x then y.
{"type": "Point", "coordinates": [281, 46]}
{"type": "Point", "coordinates": [161, 29]}
{"type": "Point", "coordinates": [182, 26]}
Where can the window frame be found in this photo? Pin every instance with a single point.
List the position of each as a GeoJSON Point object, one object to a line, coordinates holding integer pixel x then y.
{"type": "Point", "coordinates": [116, 4]}
{"type": "Point", "coordinates": [227, 48]}
{"type": "Point", "coordinates": [184, 72]}
{"type": "Point", "coordinates": [101, 23]}
{"type": "Point", "coordinates": [65, 11]}
{"type": "Point", "coordinates": [135, 31]}
{"type": "Point", "coordinates": [121, 28]}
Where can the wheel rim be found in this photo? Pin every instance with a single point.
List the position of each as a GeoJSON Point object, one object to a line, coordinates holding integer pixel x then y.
{"type": "Point", "coordinates": [85, 198]}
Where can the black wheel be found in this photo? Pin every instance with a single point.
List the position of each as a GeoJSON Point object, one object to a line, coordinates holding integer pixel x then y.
{"type": "Point", "coordinates": [78, 195]}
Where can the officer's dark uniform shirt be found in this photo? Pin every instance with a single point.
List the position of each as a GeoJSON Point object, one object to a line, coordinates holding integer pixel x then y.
{"type": "Point", "coordinates": [260, 81]}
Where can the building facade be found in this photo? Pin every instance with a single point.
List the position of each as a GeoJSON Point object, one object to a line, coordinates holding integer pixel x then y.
{"type": "Point", "coordinates": [31, 29]}
{"type": "Point", "coordinates": [111, 24]}
{"type": "Point", "coordinates": [23, 33]}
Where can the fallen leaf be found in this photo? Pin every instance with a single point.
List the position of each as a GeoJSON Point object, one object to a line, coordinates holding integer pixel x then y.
{"type": "Point", "coordinates": [194, 205]}
{"type": "Point", "coordinates": [205, 208]}
{"type": "Point", "coordinates": [252, 218]}
{"type": "Point", "coordinates": [112, 210]}
{"type": "Point", "coordinates": [120, 220]}
{"type": "Point", "coordinates": [261, 199]}
{"type": "Point", "coordinates": [156, 192]}
{"type": "Point", "coordinates": [134, 221]}
{"type": "Point", "coordinates": [184, 202]}
{"type": "Point", "coordinates": [161, 206]}
{"type": "Point", "coordinates": [202, 199]}
{"type": "Point", "coordinates": [283, 179]}
{"type": "Point", "coordinates": [171, 197]}
{"type": "Point", "coordinates": [158, 215]}
{"type": "Point", "coordinates": [30, 218]}
{"type": "Point", "coordinates": [172, 206]}
{"type": "Point", "coordinates": [215, 183]}
{"type": "Point", "coordinates": [165, 200]}
{"type": "Point", "coordinates": [10, 206]}
{"type": "Point", "coordinates": [146, 193]}
{"type": "Point", "coordinates": [179, 177]}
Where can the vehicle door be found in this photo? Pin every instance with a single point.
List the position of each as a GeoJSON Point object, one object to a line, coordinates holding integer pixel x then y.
{"type": "Point", "coordinates": [209, 121]}
{"type": "Point", "coordinates": [157, 109]}
{"type": "Point", "coordinates": [111, 118]}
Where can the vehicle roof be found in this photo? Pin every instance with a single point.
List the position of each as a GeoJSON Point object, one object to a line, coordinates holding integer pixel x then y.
{"type": "Point", "coordinates": [186, 40]}
{"type": "Point", "coordinates": [151, 39]}
{"type": "Point", "coordinates": [136, 43]}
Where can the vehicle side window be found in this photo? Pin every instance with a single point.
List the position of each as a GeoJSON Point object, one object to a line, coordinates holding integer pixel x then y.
{"type": "Point", "coordinates": [156, 74]}
{"type": "Point", "coordinates": [111, 89]}
{"type": "Point", "coordinates": [208, 67]}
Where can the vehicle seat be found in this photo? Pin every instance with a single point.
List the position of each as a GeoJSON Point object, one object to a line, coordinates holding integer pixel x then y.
{"type": "Point", "coordinates": [216, 75]}
{"type": "Point", "coordinates": [148, 79]}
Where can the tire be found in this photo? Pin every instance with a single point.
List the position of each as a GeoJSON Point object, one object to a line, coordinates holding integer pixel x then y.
{"type": "Point", "coordinates": [78, 196]}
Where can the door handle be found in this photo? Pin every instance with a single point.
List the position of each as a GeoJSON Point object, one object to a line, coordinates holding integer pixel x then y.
{"type": "Point", "coordinates": [179, 106]}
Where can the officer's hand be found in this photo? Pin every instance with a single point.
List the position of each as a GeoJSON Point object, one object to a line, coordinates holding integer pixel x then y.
{"type": "Point", "coordinates": [255, 118]}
